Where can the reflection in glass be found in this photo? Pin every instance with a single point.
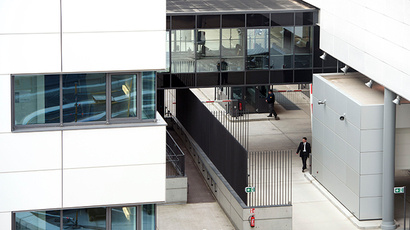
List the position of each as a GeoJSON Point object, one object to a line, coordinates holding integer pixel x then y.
{"type": "Point", "coordinates": [45, 220]}
{"type": "Point", "coordinates": [233, 20]}
{"type": "Point", "coordinates": [148, 95]}
{"type": "Point", "coordinates": [148, 217]}
{"type": "Point", "coordinates": [84, 97]}
{"type": "Point", "coordinates": [36, 99]}
{"type": "Point", "coordinates": [303, 46]}
{"type": "Point", "coordinates": [124, 218]}
{"type": "Point", "coordinates": [167, 53]}
{"type": "Point", "coordinates": [257, 49]}
{"type": "Point", "coordinates": [182, 51]}
{"type": "Point", "coordinates": [281, 47]}
{"type": "Point", "coordinates": [124, 95]}
{"type": "Point", "coordinates": [233, 41]}
{"type": "Point", "coordinates": [87, 219]}
{"type": "Point", "coordinates": [207, 50]}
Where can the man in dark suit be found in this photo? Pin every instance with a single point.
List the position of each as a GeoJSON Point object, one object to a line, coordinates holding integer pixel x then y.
{"type": "Point", "coordinates": [305, 150]}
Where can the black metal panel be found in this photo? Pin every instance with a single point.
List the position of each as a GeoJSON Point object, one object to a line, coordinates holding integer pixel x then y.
{"type": "Point", "coordinates": [304, 19]}
{"type": "Point", "coordinates": [163, 80]}
{"type": "Point", "coordinates": [233, 78]}
{"type": "Point", "coordinates": [233, 20]}
{"type": "Point", "coordinates": [256, 20]}
{"type": "Point", "coordinates": [183, 80]}
{"type": "Point", "coordinates": [208, 21]}
{"type": "Point", "coordinates": [208, 79]}
{"type": "Point", "coordinates": [183, 22]}
{"type": "Point", "coordinates": [282, 19]}
{"type": "Point", "coordinates": [303, 76]}
{"type": "Point", "coordinates": [257, 77]}
{"type": "Point", "coordinates": [225, 152]}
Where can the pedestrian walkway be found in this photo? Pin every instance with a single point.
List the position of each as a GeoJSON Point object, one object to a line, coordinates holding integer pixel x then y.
{"type": "Point", "coordinates": [312, 209]}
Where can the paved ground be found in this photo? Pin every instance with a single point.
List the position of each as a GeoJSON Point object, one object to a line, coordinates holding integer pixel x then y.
{"type": "Point", "coordinates": [311, 208]}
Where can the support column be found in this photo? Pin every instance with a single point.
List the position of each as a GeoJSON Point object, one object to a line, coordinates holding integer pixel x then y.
{"type": "Point", "coordinates": [389, 133]}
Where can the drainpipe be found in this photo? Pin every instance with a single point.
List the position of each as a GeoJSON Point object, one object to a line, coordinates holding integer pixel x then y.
{"type": "Point", "coordinates": [389, 132]}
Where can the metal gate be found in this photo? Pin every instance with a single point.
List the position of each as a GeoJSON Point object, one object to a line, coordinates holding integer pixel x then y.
{"type": "Point", "coordinates": [270, 173]}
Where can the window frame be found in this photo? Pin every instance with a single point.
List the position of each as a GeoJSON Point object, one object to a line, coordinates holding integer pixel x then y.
{"type": "Point", "coordinates": [108, 119]}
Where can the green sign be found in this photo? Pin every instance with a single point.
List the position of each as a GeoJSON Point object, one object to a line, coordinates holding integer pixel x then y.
{"type": "Point", "coordinates": [249, 189]}
{"type": "Point", "coordinates": [398, 190]}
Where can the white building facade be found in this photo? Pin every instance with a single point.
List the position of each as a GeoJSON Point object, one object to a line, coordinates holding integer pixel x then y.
{"type": "Point", "coordinates": [356, 155]}
{"type": "Point", "coordinates": [81, 144]}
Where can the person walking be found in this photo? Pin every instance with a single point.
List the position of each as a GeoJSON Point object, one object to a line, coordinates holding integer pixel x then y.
{"type": "Point", "coordinates": [270, 99]}
{"type": "Point", "coordinates": [304, 149]}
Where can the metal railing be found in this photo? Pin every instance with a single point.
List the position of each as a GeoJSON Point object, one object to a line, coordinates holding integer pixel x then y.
{"type": "Point", "coordinates": [175, 164]}
{"type": "Point", "coordinates": [270, 173]}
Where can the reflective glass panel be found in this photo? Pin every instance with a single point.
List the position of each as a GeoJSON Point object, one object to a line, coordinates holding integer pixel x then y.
{"type": "Point", "coordinates": [208, 21]}
{"type": "Point", "coordinates": [304, 18]}
{"type": "Point", "coordinates": [253, 20]}
{"type": "Point", "coordinates": [233, 42]}
{"type": "Point", "coordinates": [303, 46]}
{"type": "Point", "coordinates": [168, 64]}
{"type": "Point", "coordinates": [123, 95]}
{"type": "Point", "coordinates": [281, 47]}
{"type": "Point", "coordinates": [124, 218]}
{"type": "Point", "coordinates": [183, 22]}
{"type": "Point", "coordinates": [148, 95]}
{"type": "Point", "coordinates": [148, 217]}
{"type": "Point", "coordinates": [36, 99]}
{"type": "Point", "coordinates": [84, 97]}
{"type": "Point", "coordinates": [233, 20]}
{"type": "Point", "coordinates": [282, 19]}
{"type": "Point", "coordinates": [208, 50]}
{"type": "Point", "coordinates": [87, 219]}
{"type": "Point", "coordinates": [257, 49]}
{"type": "Point", "coordinates": [183, 51]}
{"type": "Point", "coordinates": [208, 79]}
{"type": "Point", "coordinates": [45, 220]}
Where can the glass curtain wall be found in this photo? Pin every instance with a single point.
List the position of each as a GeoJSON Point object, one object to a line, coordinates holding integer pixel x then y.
{"type": "Point", "coordinates": [257, 49]}
{"type": "Point", "coordinates": [303, 46]}
{"type": "Point", "coordinates": [124, 218]}
{"type": "Point", "coordinates": [183, 51]}
{"type": "Point", "coordinates": [148, 217]}
{"type": "Point", "coordinates": [208, 50]}
{"type": "Point", "coordinates": [87, 218]}
{"type": "Point", "coordinates": [281, 49]}
{"type": "Point", "coordinates": [148, 95]}
{"type": "Point", "coordinates": [37, 99]}
{"type": "Point", "coordinates": [46, 220]}
{"type": "Point", "coordinates": [84, 97]}
{"type": "Point", "coordinates": [232, 49]}
{"type": "Point", "coordinates": [123, 95]}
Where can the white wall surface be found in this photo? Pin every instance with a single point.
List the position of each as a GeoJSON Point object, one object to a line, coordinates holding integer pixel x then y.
{"type": "Point", "coordinates": [5, 220]}
{"type": "Point", "coordinates": [114, 185]}
{"type": "Point", "coordinates": [5, 95]}
{"type": "Point", "coordinates": [31, 151]}
{"type": "Point", "coordinates": [92, 35]}
{"type": "Point", "coordinates": [81, 168]}
{"type": "Point", "coordinates": [370, 36]}
{"type": "Point", "coordinates": [30, 190]}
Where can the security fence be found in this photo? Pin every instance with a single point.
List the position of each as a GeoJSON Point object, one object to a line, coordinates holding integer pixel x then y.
{"type": "Point", "coordinates": [270, 174]}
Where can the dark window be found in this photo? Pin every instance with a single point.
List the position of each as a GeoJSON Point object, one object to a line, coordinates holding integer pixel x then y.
{"type": "Point", "coordinates": [208, 21]}
{"type": "Point", "coordinates": [304, 19]}
{"type": "Point", "coordinates": [168, 22]}
{"type": "Point", "coordinates": [253, 20]}
{"type": "Point", "coordinates": [183, 22]}
{"type": "Point", "coordinates": [232, 78]}
{"type": "Point", "coordinates": [282, 19]}
{"type": "Point", "coordinates": [233, 20]}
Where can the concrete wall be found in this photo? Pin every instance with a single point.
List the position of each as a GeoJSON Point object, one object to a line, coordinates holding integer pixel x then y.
{"type": "Point", "coordinates": [233, 206]}
{"type": "Point", "coordinates": [347, 155]}
{"type": "Point", "coordinates": [177, 190]}
{"type": "Point", "coordinates": [370, 36]}
{"type": "Point", "coordinates": [77, 36]}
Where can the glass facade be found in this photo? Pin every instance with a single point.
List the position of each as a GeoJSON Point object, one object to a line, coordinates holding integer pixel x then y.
{"type": "Point", "coordinates": [58, 100]}
{"type": "Point", "coordinates": [105, 218]}
{"type": "Point", "coordinates": [37, 99]}
{"type": "Point", "coordinates": [225, 49]}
